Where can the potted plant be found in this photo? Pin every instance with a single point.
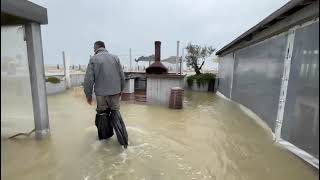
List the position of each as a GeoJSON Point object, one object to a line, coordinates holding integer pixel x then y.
{"type": "Point", "coordinates": [54, 85]}
{"type": "Point", "coordinates": [201, 82]}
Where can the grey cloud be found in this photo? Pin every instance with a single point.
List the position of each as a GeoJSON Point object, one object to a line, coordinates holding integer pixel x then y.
{"type": "Point", "coordinates": [75, 24]}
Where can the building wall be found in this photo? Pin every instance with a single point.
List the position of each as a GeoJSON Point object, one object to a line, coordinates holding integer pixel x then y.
{"type": "Point", "coordinates": [257, 78]}
{"type": "Point", "coordinates": [225, 76]}
{"type": "Point", "coordinates": [301, 116]}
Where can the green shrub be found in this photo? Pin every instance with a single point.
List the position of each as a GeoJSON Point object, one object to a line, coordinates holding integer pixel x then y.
{"type": "Point", "coordinates": [53, 79]}
{"type": "Point", "coordinates": [201, 79]}
{"type": "Point", "coordinates": [190, 80]}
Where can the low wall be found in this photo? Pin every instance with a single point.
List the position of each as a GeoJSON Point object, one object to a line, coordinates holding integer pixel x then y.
{"type": "Point", "coordinates": [200, 87]}
{"type": "Point", "coordinates": [140, 83]}
{"type": "Point", "coordinates": [129, 86]}
{"type": "Point", "coordinates": [75, 80]}
{"type": "Point", "coordinates": [55, 88]}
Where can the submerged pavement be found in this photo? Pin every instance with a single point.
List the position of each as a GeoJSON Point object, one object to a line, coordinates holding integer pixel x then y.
{"type": "Point", "coordinates": [210, 138]}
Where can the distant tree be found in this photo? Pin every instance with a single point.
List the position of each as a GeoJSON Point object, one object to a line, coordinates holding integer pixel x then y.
{"type": "Point", "coordinates": [195, 54]}
{"type": "Point", "coordinates": [58, 66]}
{"type": "Point", "coordinates": [79, 67]}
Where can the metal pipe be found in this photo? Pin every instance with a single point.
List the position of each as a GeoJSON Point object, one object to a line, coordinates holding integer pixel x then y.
{"type": "Point", "coordinates": [181, 60]}
{"type": "Point", "coordinates": [157, 51]}
{"type": "Point", "coordinates": [130, 59]}
{"type": "Point", "coordinates": [177, 58]}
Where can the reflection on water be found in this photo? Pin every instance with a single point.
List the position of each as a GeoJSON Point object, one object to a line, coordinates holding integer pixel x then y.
{"type": "Point", "coordinates": [209, 139]}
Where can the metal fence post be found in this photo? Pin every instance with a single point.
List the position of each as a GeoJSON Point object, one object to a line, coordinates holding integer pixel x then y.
{"type": "Point", "coordinates": [284, 84]}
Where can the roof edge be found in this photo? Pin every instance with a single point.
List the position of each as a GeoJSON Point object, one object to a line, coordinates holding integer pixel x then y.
{"type": "Point", "coordinates": [273, 16]}
{"type": "Point", "coordinates": [25, 10]}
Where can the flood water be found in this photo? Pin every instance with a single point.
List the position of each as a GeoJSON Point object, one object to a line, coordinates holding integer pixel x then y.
{"type": "Point", "coordinates": [210, 138]}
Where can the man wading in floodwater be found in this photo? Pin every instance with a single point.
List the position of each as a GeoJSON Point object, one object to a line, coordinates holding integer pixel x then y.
{"type": "Point", "coordinates": [105, 75]}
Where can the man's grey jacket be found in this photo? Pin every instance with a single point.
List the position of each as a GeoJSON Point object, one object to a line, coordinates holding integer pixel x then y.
{"type": "Point", "coordinates": [104, 74]}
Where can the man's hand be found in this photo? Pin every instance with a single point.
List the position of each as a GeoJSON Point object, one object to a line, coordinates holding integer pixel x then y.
{"type": "Point", "coordinates": [89, 100]}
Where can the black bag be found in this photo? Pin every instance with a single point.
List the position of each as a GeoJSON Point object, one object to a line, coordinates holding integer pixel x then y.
{"type": "Point", "coordinates": [119, 127]}
{"type": "Point", "coordinates": [104, 125]}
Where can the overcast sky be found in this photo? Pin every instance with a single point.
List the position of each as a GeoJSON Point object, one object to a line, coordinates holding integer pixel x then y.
{"type": "Point", "coordinates": [74, 25]}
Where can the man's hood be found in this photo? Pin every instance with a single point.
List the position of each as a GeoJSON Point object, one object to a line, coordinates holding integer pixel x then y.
{"type": "Point", "coordinates": [100, 50]}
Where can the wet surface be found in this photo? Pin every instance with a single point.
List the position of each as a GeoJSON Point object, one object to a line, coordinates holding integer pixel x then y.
{"type": "Point", "coordinates": [210, 138]}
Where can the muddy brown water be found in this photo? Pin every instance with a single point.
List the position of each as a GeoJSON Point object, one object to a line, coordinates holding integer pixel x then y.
{"type": "Point", "coordinates": [210, 138]}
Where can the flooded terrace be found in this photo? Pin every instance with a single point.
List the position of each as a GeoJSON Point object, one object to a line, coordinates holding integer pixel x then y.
{"type": "Point", "coordinates": [210, 138]}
